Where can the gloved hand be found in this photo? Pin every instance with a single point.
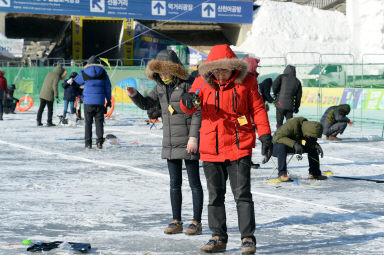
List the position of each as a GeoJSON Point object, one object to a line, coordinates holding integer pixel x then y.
{"type": "Point", "coordinates": [190, 100]}
{"type": "Point", "coordinates": [296, 110]}
{"type": "Point", "coordinates": [57, 100]}
{"type": "Point", "coordinates": [192, 145]}
{"type": "Point", "coordinates": [298, 148]}
{"type": "Point", "coordinates": [266, 147]}
{"type": "Point", "coordinates": [319, 150]}
{"type": "Point", "coordinates": [108, 104]}
{"type": "Point", "coordinates": [154, 112]}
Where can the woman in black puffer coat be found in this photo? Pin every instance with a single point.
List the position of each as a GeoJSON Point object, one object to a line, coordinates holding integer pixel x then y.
{"type": "Point", "coordinates": [180, 133]}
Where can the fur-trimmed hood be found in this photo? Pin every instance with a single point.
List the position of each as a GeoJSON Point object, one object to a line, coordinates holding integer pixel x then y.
{"type": "Point", "coordinates": [94, 70]}
{"type": "Point", "coordinates": [88, 65]}
{"type": "Point", "coordinates": [222, 57]}
{"type": "Point", "coordinates": [166, 61]}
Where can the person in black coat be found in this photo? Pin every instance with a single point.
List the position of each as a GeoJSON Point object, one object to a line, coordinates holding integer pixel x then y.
{"type": "Point", "coordinates": [71, 91]}
{"type": "Point", "coordinates": [287, 91]}
{"type": "Point", "coordinates": [265, 92]}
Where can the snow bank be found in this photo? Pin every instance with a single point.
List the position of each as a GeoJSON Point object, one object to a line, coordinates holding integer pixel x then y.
{"type": "Point", "coordinates": [366, 23]}
{"type": "Point", "coordinates": [279, 29]}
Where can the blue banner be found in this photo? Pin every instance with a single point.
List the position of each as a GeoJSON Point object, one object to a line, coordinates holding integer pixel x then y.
{"type": "Point", "coordinates": [218, 11]}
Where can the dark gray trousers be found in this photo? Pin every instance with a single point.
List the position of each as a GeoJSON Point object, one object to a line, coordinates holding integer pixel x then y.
{"type": "Point", "coordinates": [337, 128]}
{"type": "Point", "coordinates": [239, 175]}
{"type": "Point", "coordinates": [280, 114]}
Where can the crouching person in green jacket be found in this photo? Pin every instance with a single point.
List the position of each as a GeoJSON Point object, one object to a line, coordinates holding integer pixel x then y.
{"type": "Point", "coordinates": [298, 136]}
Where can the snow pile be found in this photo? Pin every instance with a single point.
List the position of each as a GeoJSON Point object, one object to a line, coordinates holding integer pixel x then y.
{"type": "Point", "coordinates": [366, 21]}
{"type": "Point", "coordinates": [278, 29]}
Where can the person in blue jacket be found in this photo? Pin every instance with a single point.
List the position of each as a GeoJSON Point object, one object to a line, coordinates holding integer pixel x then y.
{"type": "Point", "coordinates": [97, 89]}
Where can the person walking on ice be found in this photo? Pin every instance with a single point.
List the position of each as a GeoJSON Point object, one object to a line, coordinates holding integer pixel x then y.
{"type": "Point", "coordinates": [228, 98]}
{"type": "Point", "coordinates": [335, 120]}
{"type": "Point", "coordinates": [298, 136]}
{"type": "Point", "coordinates": [180, 134]}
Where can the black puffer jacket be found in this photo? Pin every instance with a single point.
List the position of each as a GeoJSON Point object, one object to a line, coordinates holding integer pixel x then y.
{"type": "Point", "coordinates": [287, 90]}
{"type": "Point", "coordinates": [265, 90]}
{"type": "Point", "coordinates": [71, 91]}
{"type": "Point", "coordinates": [177, 126]}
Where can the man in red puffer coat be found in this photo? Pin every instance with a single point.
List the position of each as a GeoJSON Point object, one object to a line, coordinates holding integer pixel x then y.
{"type": "Point", "coordinates": [3, 92]}
{"type": "Point", "coordinates": [228, 99]}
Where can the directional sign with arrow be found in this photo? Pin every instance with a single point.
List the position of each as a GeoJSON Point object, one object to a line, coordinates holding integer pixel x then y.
{"type": "Point", "coordinates": [218, 11]}
{"type": "Point", "coordinates": [208, 10]}
{"type": "Point", "coordinates": [159, 8]}
{"type": "Point", "coordinates": [97, 5]}
{"type": "Point", "coordinates": [5, 3]}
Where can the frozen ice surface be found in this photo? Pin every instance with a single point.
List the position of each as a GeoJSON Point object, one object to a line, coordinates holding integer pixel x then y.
{"type": "Point", "coordinates": [117, 198]}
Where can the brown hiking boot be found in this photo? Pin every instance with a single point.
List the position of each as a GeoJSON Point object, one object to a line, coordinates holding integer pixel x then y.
{"type": "Point", "coordinates": [174, 227]}
{"type": "Point", "coordinates": [248, 246]}
{"type": "Point", "coordinates": [284, 178]}
{"type": "Point", "coordinates": [194, 228]}
{"type": "Point", "coordinates": [214, 245]}
{"type": "Point", "coordinates": [333, 138]}
{"type": "Point", "coordinates": [318, 177]}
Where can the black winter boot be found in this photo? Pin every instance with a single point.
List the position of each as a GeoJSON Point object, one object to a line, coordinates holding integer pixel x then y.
{"type": "Point", "coordinates": [88, 144]}
{"type": "Point", "coordinates": [1, 116]}
{"type": "Point", "coordinates": [39, 123]}
{"type": "Point", "coordinates": [50, 124]}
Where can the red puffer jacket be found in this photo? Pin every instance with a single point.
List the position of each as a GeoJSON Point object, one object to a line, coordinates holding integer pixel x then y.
{"type": "Point", "coordinates": [3, 82]}
{"type": "Point", "coordinates": [222, 135]}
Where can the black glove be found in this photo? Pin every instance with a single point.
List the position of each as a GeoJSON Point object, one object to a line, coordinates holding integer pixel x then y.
{"type": "Point", "coordinates": [319, 150]}
{"type": "Point", "coordinates": [296, 110]}
{"type": "Point", "coordinates": [57, 100]}
{"type": "Point", "coordinates": [108, 104]}
{"type": "Point", "coordinates": [266, 147]}
{"type": "Point", "coordinates": [298, 148]}
{"type": "Point", "coordinates": [154, 113]}
{"type": "Point", "coordinates": [190, 100]}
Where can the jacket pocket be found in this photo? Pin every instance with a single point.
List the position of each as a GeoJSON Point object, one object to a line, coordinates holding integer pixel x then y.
{"type": "Point", "coordinates": [209, 141]}
{"type": "Point", "coordinates": [246, 137]}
